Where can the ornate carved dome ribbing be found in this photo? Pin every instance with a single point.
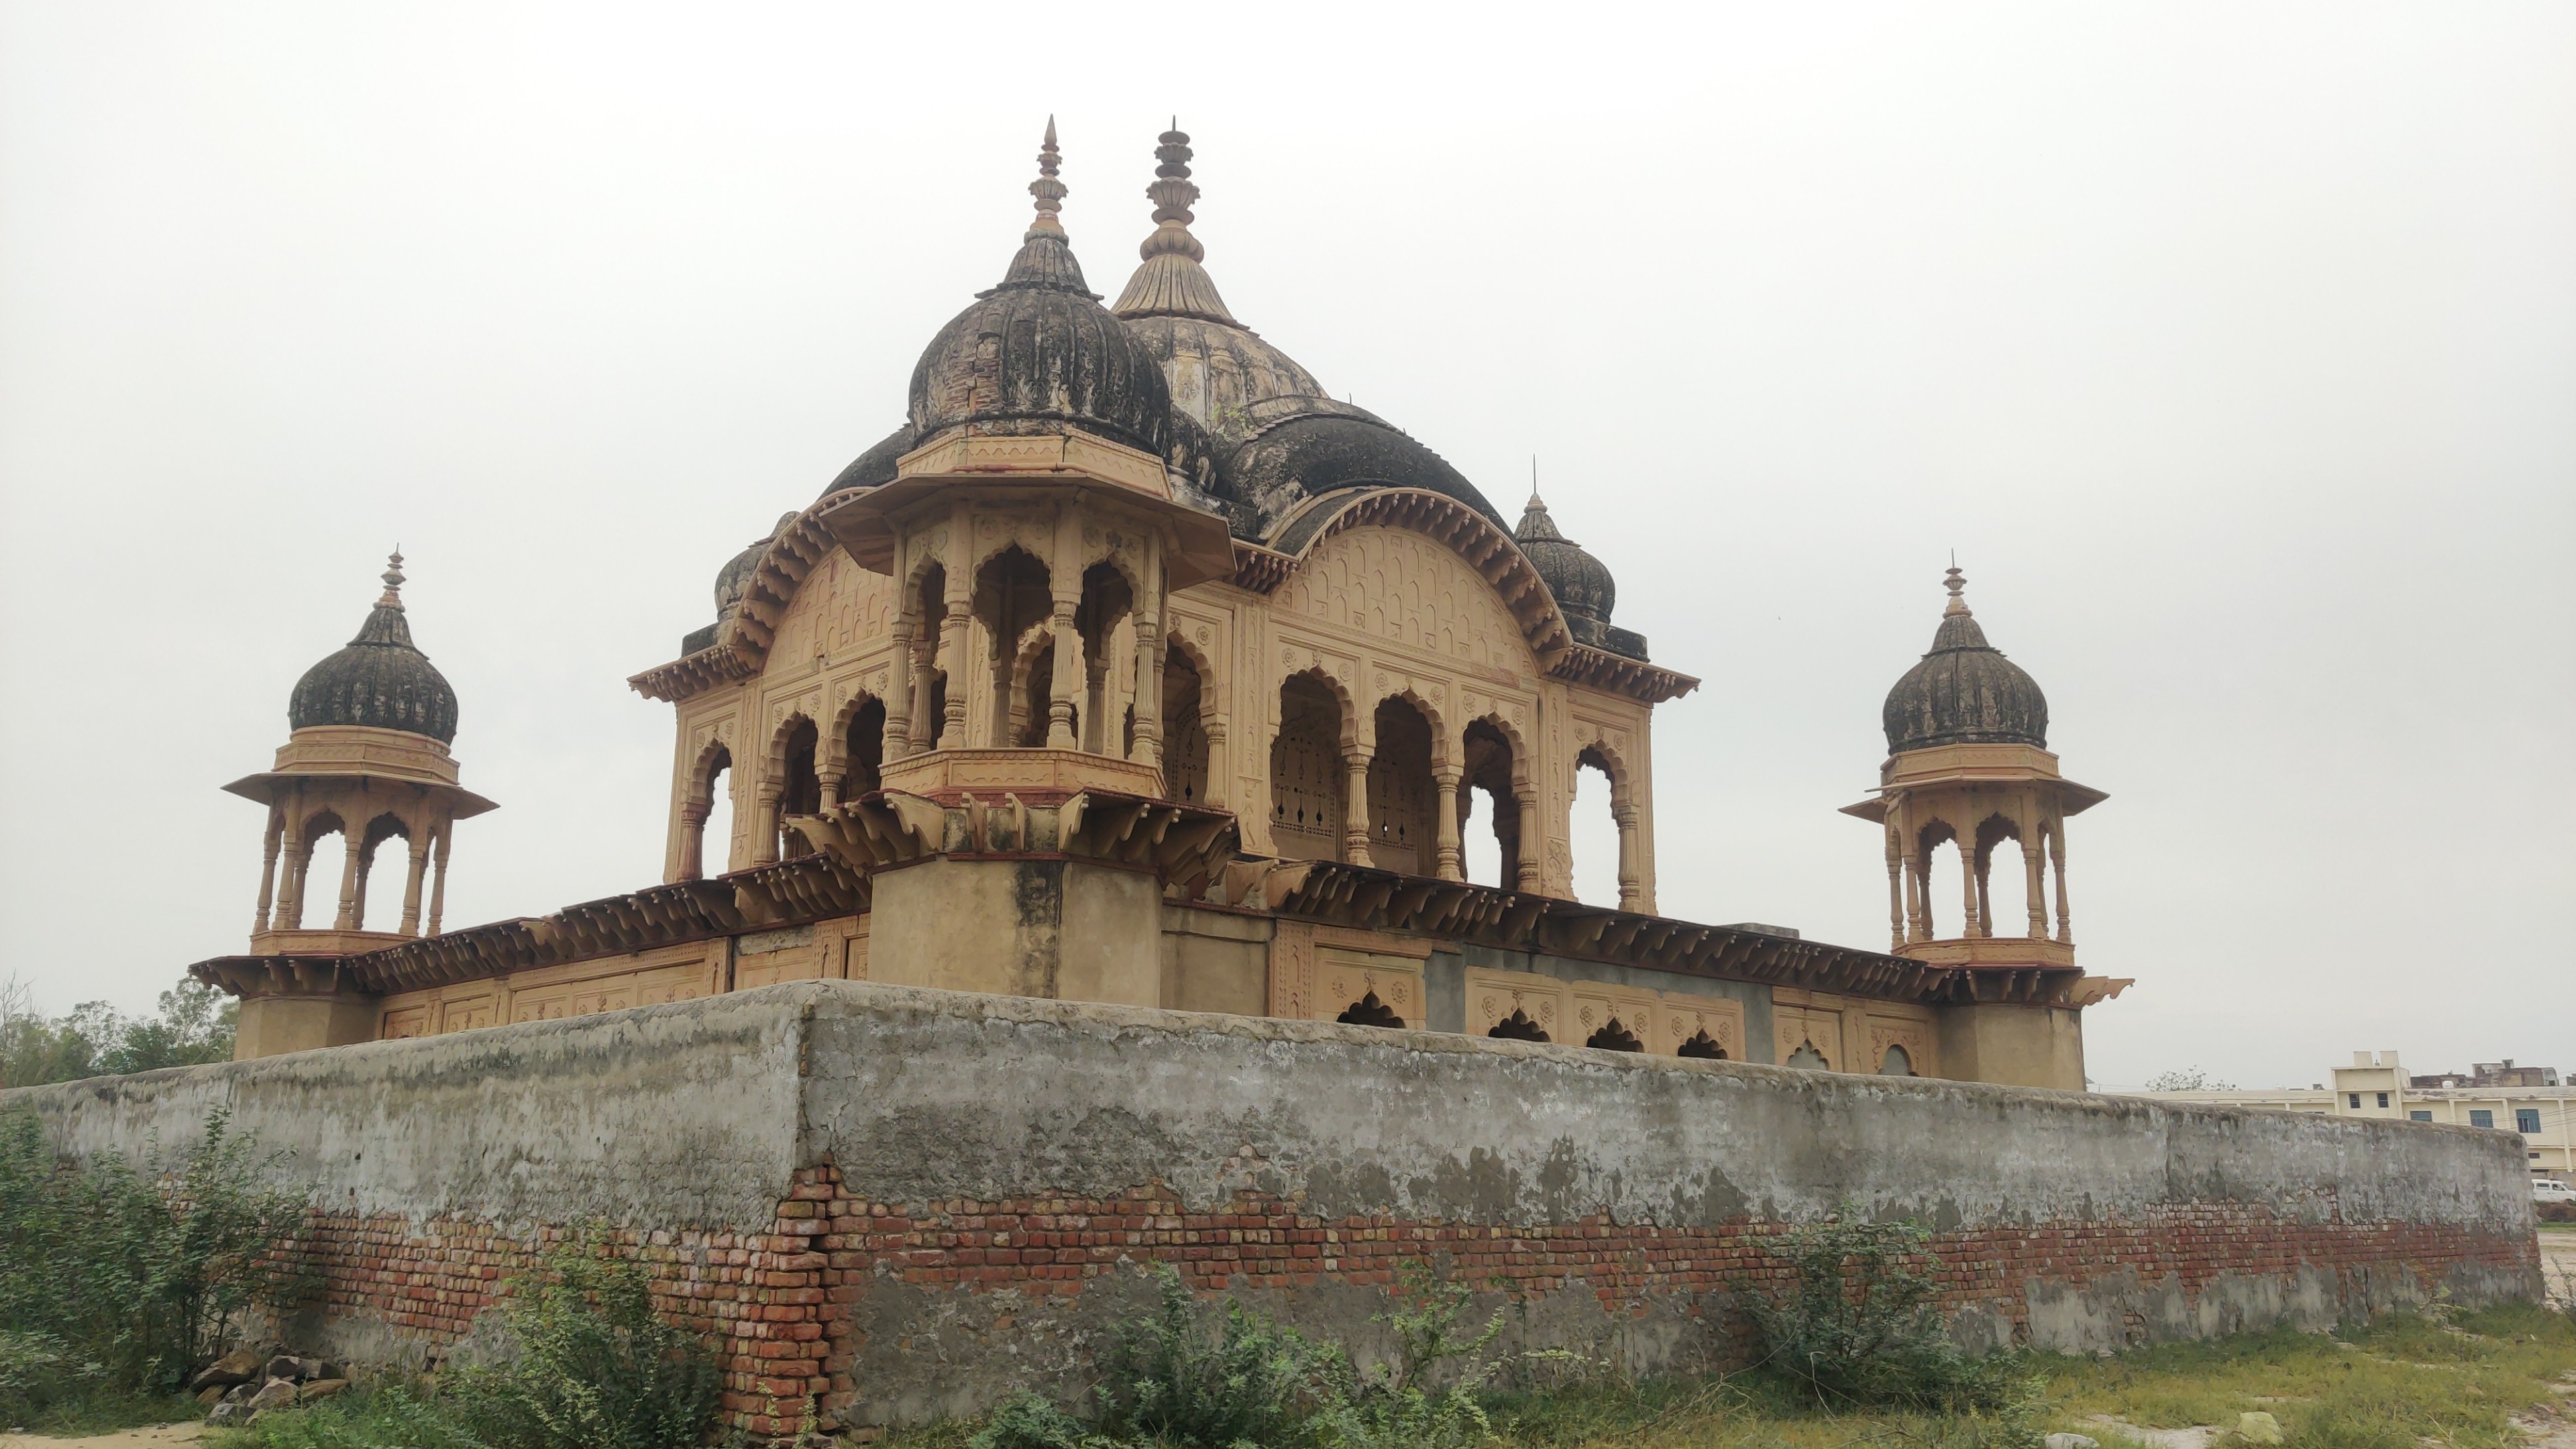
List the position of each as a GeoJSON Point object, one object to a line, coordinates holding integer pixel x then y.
{"type": "Point", "coordinates": [1964, 692]}
{"type": "Point", "coordinates": [380, 680]}
{"type": "Point", "coordinates": [1038, 353]}
{"type": "Point", "coordinates": [1581, 583]}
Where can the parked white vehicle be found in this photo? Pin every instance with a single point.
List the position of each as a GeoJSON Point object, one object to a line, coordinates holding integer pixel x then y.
{"type": "Point", "coordinates": [2550, 1189]}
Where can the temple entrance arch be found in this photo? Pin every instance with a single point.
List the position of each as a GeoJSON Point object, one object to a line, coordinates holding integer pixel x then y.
{"type": "Point", "coordinates": [1402, 829]}
{"type": "Point", "coordinates": [1185, 736]}
{"type": "Point", "coordinates": [1492, 767]}
{"type": "Point", "coordinates": [1306, 774]}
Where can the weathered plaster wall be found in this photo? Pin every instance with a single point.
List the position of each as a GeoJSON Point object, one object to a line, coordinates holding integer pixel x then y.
{"type": "Point", "coordinates": [900, 1203]}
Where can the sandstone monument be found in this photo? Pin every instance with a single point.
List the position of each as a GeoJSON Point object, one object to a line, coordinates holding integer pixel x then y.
{"type": "Point", "coordinates": [1102, 747]}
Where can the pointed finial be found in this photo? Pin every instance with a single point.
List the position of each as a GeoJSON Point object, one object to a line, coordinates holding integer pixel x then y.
{"type": "Point", "coordinates": [1172, 192]}
{"type": "Point", "coordinates": [1048, 191]}
{"type": "Point", "coordinates": [1534, 501]}
{"type": "Point", "coordinates": [1956, 582]}
{"type": "Point", "coordinates": [393, 576]}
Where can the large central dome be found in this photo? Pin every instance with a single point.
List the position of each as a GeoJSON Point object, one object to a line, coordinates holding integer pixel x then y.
{"type": "Point", "coordinates": [1038, 353]}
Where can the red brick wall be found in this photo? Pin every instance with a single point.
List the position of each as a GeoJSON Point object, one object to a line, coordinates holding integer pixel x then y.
{"type": "Point", "coordinates": [781, 1303]}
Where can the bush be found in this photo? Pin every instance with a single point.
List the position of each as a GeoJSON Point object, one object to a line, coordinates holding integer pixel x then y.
{"type": "Point", "coordinates": [126, 1280]}
{"type": "Point", "coordinates": [1168, 1384]}
{"type": "Point", "coordinates": [596, 1368]}
{"type": "Point", "coordinates": [1859, 1322]}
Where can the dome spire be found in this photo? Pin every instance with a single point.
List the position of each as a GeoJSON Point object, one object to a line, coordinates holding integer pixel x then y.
{"type": "Point", "coordinates": [1957, 583]}
{"type": "Point", "coordinates": [1171, 283]}
{"type": "Point", "coordinates": [1045, 260]}
{"type": "Point", "coordinates": [1049, 192]}
{"type": "Point", "coordinates": [392, 596]}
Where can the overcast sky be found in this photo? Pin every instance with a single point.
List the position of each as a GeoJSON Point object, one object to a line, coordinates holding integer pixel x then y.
{"type": "Point", "coordinates": [2233, 347]}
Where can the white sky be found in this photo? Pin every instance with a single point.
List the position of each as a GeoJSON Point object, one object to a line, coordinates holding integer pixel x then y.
{"type": "Point", "coordinates": [2232, 345]}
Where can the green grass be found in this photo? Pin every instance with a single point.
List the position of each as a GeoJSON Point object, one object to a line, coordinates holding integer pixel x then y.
{"type": "Point", "coordinates": [105, 1413]}
{"type": "Point", "coordinates": [2401, 1383]}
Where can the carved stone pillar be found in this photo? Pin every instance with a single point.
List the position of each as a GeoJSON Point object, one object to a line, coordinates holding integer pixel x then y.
{"type": "Point", "coordinates": [1220, 772]}
{"type": "Point", "coordinates": [2030, 864]}
{"type": "Point", "coordinates": [1450, 863]}
{"type": "Point", "coordinates": [1967, 888]}
{"type": "Point", "coordinates": [925, 735]}
{"type": "Point", "coordinates": [1631, 886]}
{"type": "Point", "coordinates": [411, 886]}
{"type": "Point", "coordinates": [348, 917]}
{"type": "Point", "coordinates": [693, 838]}
{"type": "Point", "coordinates": [764, 846]}
{"type": "Point", "coordinates": [2057, 858]}
{"type": "Point", "coordinates": [1067, 669]}
{"type": "Point", "coordinates": [1531, 846]}
{"type": "Point", "coordinates": [438, 877]}
{"type": "Point", "coordinates": [268, 869]}
{"type": "Point", "coordinates": [898, 698]}
{"type": "Point", "coordinates": [1984, 861]}
{"type": "Point", "coordinates": [1096, 738]}
{"type": "Point", "coordinates": [1150, 651]}
{"type": "Point", "coordinates": [1355, 811]}
{"type": "Point", "coordinates": [1148, 749]}
{"type": "Point", "coordinates": [294, 853]}
{"type": "Point", "coordinates": [952, 629]}
{"type": "Point", "coordinates": [1895, 881]}
{"type": "Point", "coordinates": [1918, 897]}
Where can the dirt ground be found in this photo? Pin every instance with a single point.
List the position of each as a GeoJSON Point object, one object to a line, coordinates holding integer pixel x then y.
{"type": "Point", "coordinates": [159, 1436]}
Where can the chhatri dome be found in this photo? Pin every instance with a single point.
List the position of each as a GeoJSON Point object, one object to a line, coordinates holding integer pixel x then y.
{"type": "Point", "coordinates": [381, 679]}
{"type": "Point", "coordinates": [1581, 583]}
{"type": "Point", "coordinates": [1964, 691]}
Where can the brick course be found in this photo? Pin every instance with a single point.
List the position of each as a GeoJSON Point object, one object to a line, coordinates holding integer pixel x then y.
{"type": "Point", "coordinates": [781, 1303]}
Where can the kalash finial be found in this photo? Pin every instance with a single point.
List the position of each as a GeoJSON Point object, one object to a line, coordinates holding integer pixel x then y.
{"type": "Point", "coordinates": [393, 581]}
{"type": "Point", "coordinates": [1956, 582]}
{"type": "Point", "coordinates": [1172, 192]}
{"type": "Point", "coordinates": [1049, 191]}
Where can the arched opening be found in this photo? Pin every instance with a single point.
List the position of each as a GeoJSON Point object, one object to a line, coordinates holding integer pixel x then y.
{"type": "Point", "coordinates": [308, 912]}
{"type": "Point", "coordinates": [863, 749]}
{"type": "Point", "coordinates": [2005, 885]}
{"type": "Point", "coordinates": [1596, 831]}
{"type": "Point", "coordinates": [1185, 740]}
{"type": "Point", "coordinates": [380, 892]}
{"type": "Point", "coordinates": [1614, 1036]}
{"type": "Point", "coordinates": [1369, 1011]}
{"type": "Point", "coordinates": [1033, 697]}
{"type": "Point", "coordinates": [1518, 1027]}
{"type": "Point", "coordinates": [1012, 597]}
{"type": "Point", "coordinates": [800, 788]}
{"type": "Point", "coordinates": [1492, 856]}
{"type": "Point", "coordinates": [1897, 1063]}
{"type": "Point", "coordinates": [1107, 600]}
{"type": "Point", "coordinates": [1306, 774]}
{"type": "Point", "coordinates": [1808, 1057]}
{"type": "Point", "coordinates": [1402, 834]}
{"type": "Point", "coordinates": [1702, 1046]}
{"type": "Point", "coordinates": [706, 815]}
{"type": "Point", "coordinates": [1942, 882]}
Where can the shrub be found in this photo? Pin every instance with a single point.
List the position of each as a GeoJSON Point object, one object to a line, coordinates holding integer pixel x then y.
{"type": "Point", "coordinates": [1167, 1383]}
{"type": "Point", "coordinates": [1859, 1321]}
{"type": "Point", "coordinates": [127, 1279]}
{"type": "Point", "coordinates": [596, 1368]}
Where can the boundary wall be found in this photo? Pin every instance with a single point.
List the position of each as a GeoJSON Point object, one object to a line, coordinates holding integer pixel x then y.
{"type": "Point", "coordinates": [893, 1204]}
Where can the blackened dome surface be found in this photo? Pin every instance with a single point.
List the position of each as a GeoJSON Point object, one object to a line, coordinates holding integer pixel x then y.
{"type": "Point", "coordinates": [876, 465]}
{"type": "Point", "coordinates": [1308, 457]}
{"type": "Point", "coordinates": [1584, 590]}
{"type": "Point", "coordinates": [1039, 354]}
{"type": "Point", "coordinates": [380, 680]}
{"type": "Point", "coordinates": [1964, 692]}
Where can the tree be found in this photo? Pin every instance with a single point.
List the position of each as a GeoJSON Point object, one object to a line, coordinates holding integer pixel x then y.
{"type": "Point", "coordinates": [2188, 1079]}
{"type": "Point", "coordinates": [194, 1024]}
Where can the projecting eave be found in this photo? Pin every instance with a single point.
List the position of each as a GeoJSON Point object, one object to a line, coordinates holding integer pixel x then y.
{"type": "Point", "coordinates": [2073, 799]}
